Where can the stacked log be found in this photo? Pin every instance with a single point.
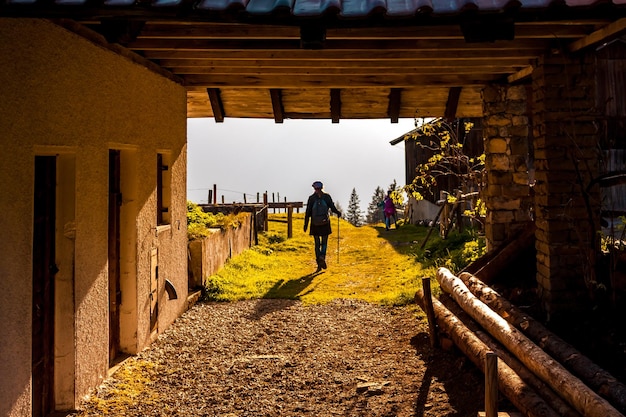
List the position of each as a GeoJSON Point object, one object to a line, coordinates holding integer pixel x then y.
{"type": "Point", "coordinates": [510, 384]}
{"type": "Point", "coordinates": [593, 375]}
{"type": "Point", "coordinates": [550, 397]}
{"type": "Point", "coordinates": [528, 369]}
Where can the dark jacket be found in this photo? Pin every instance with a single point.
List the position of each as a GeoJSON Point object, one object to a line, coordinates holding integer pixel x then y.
{"type": "Point", "coordinates": [325, 229]}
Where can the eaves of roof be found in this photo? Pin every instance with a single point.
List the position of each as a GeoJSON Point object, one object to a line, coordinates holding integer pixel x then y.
{"type": "Point", "coordinates": [294, 11]}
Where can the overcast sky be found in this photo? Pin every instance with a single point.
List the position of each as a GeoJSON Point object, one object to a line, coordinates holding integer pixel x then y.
{"type": "Point", "coordinates": [257, 155]}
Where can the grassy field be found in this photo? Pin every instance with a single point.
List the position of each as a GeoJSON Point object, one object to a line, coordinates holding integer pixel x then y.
{"type": "Point", "coordinates": [366, 263]}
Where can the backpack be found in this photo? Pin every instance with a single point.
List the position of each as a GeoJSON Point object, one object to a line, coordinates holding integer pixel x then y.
{"type": "Point", "coordinates": [319, 213]}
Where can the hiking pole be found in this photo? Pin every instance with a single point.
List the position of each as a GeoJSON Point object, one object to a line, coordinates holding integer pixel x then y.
{"type": "Point", "coordinates": [337, 240]}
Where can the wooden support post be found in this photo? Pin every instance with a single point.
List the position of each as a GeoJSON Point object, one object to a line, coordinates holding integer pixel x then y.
{"type": "Point", "coordinates": [210, 199]}
{"type": "Point", "coordinates": [214, 194]}
{"type": "Point", "coordinates": [257, 198]}
{"type": "Point", "coordinates": [266, 223]}
{"type": "Point", "coordinates": [491, 384]}
{"type": "Point", "coordinates": [244, 198]}
{"type": "Point", "coordinates": [289, 221]}
{"type": "Point", "coordinates": [430, 312]}
{"type": "Point", "coordinates": [222, 198]}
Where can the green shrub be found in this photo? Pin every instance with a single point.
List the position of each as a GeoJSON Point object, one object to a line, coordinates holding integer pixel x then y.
{"type": "Point", "coordinates": [199, 222]}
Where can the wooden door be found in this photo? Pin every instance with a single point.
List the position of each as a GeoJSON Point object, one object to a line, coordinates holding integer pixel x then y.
{"type": "Point", "coordinates": [115, 293]}
{"type": "Point", "coordinates": [44, 269]}
{"type": "Point", "coordinates": [154, 290]}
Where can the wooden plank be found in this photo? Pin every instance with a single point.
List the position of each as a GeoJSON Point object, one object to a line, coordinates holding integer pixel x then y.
{"type": "Point", "coordinates": [329, 45]}
{"type": "Point", "coordinates": [418, 61]}
{"type": "Point", "coordinates": [400, 70]}
{"type": "Point", "coordinates": [609, 32]}
{"type": "Point", "coordinates": [334, 81]}
{"type": "Point", "coordinates": [521, 74]}
{"type": "Point", "coordinates": [502, 414]}
{"type": "Point", "coordinates": [339, 55]}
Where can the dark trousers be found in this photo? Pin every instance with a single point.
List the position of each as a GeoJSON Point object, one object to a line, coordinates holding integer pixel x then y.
{"type": "Point", "coordinates": [321, 243]}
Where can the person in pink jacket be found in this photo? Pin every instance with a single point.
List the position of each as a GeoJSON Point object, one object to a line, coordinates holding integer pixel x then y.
{"type": "Point", "coordinates": [389, 211]}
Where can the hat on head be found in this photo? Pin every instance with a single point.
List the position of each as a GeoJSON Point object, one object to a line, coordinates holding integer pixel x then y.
{"type": "Point", "coordinates": [318, 184]}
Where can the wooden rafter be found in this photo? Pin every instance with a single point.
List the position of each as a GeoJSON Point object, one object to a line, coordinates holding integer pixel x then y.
{"type": "Point", "coordinates": [335, 105]}
{"type": "Point", "coordinates": [361, 70]}
{"type": "Point", "coordinates": [452, 103]}
{"type": "Point", "coordinates": [216, 104]}
{"type": "Point", "coordinates": [277, 105]}
{"type": "Point", "coordinates": [394, 104]}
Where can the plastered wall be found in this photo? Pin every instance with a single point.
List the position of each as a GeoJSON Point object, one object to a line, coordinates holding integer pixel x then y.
{"type": "Point", "coordinates": [62, 95]}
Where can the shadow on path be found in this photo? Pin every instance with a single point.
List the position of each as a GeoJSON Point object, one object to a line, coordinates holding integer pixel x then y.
{"type": "Point", "coordinates": [287, 291]}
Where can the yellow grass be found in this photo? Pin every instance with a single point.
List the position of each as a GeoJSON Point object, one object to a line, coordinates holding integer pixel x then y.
{"type": "Point", "coordinates": [366, 263]}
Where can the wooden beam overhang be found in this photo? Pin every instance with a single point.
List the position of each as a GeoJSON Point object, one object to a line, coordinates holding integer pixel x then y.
{"type": "Point", "coordinates": [452, 103]}
{"type": "Point", "coordinates": [606, 34]}
{"type": "Point", "coordinates": [216, 104]}
{"type": "Point", "coordinates": [372, 68]}
{"type": "Point", "coordinates": [277, 105]}
{"type": "Point", "coordinates": [393, 108]}
{"type": "Point", "coordinates": [335, 105]}
{"type": "Point", "coordinates": [312, 36]}
{"type": "Point", "coordinates": [122, 31]}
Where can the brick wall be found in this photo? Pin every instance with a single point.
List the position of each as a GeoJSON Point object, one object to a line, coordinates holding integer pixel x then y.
{"type": "Point", "coordinates": [566, 159]}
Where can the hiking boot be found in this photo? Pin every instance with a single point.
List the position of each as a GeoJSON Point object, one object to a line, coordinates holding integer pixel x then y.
{"type": "Point", "coordinates": [319, 264]}
{"type": "Point", "coordinates": [323, 263]}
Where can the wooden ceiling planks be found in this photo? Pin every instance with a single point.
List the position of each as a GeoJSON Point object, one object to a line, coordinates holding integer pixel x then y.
{"type": "Point", "coordinates": [262, 71]}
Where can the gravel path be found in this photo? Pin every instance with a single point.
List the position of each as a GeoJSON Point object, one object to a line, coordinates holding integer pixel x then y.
{"type": "Point", "coordinates": [283, 358]}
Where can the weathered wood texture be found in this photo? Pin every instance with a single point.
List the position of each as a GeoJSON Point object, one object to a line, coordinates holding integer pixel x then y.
{"type": "Point", "coordinates": [541, 388]}
{"type": "Point", "coordinates": [510, 384]}
{"type": "Point", "coordinates": [243, 62]}
{"type": "Point", "coordinates": [577, 363]}
{"type": "Point", "coordinates": [491, 264]}
{"type": "Point", "coordinates": [572, 389]}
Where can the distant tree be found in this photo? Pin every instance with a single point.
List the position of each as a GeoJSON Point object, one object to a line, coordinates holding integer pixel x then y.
{"type": "Point", "coordinates": [374, 210]}
{"type": "Point", "coordinates": [354, 214]}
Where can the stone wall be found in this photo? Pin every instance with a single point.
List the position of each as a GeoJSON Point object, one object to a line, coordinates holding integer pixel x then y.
{"type": "Point", "coordinates": [566, 160]}
{"type": "Point", "coordinates": [208, 255]}
{"type": "Point", "coordinates": [506, 131]}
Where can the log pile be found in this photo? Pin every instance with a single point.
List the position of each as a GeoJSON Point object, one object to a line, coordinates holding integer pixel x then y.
{"type": "Point", "coordinates": [537, 371]}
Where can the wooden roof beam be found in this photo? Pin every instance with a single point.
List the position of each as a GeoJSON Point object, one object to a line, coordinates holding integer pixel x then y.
{"type": "Point", "coordinates": [336, 81]}
{"type": "Point", "coordinates": [349, 56]}
{"type": "Point", "coordinates": [607, 33]}
{"type": "Point", "coordinates": [452, 103]}
{"type": "Point", "coordinates": [335, 105]}
{"type": "Point", "coordinates": [393, 109]}
{"type": "Point", "coordinates": [277, 104]}
{"type": "Point", "coordinates": [520, 75]}
{"type": "Point", "coordinates": [216, 104]}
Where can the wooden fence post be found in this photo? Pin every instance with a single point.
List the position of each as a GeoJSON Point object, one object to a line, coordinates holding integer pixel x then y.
{"type": "Point", "coordinates": [289, 221]}
{"type": "Point", "coordinates": [430, 312]}
{"type": "Point", "coordinates": [491, 384]}
{"type": "Point", "coordinates": [265, 225]}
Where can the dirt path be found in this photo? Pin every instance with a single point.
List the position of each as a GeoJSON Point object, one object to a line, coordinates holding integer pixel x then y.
{"type": "Point", "coordinates": [283, 358]}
